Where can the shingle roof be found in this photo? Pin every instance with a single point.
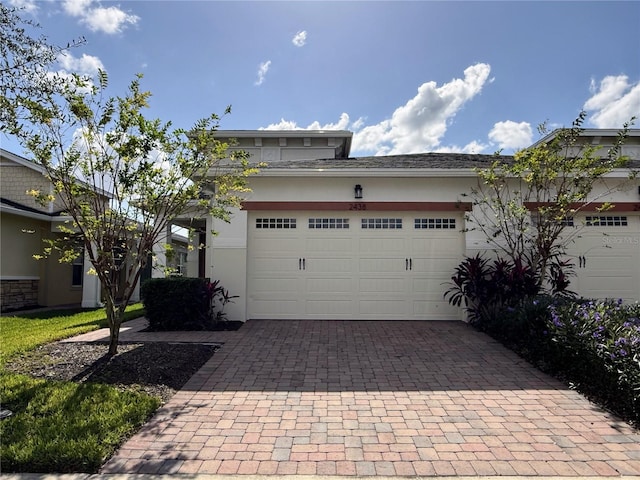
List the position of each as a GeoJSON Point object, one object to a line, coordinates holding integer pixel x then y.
{"type": "Point", "coordinates": [25, 208]}
{"type": "Point", "coordinates": [409, 161]}
{"type": "Point", "coordinates": [415, 160]}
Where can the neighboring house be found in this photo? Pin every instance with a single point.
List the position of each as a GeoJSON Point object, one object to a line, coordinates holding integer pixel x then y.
{"type": "Point", "coordinates": [27, 282]}
{"type": "Point", "coordinates": [24, 224]}
{"type": "Point", "coordinates": [326, 236]}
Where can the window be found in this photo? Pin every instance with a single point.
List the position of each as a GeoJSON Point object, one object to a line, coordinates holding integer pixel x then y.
{"type": "Point", "coordinates": [606, 221]}
{"type": "Point", "coordinates": [181, 264]}
{"type": "Point", "coordinates": [565, 222]}
{"type": "Point", "coordinates": [435, 223]}
{"type": "Point", "coordinates": [77, 270]}
{"type": "Point", "coordinates": [329, 223]}
{"type": "Point", "coordinates": [382, 223]}
{"type": "Point", "coordinates": [275, 223]}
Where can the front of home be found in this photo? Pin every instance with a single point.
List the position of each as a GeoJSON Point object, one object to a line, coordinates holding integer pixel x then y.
{"type": "Point", "coordinates": [325, 236]}
{"type": "Point", "coordinates": [322, 235]}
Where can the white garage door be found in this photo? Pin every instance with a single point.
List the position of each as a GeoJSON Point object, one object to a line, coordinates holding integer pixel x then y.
{"type": "Point", "coordinates": [606, 254]}
{"type": "Point", "coordinates": [344, 265]}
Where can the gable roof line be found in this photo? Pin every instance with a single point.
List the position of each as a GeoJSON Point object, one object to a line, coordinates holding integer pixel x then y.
{"type": "Point", "coordinates": [25, 162]}
{"type": "Point", "coordinates": [588, 133]}
{"type": "Point", "coordinates": [15, 208]}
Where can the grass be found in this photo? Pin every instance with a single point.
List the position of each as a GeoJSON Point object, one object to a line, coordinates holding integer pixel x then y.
{"type": "Point", "coordinates": [25, 332]}
{"type": "Point", "coordinates": [62, 426]}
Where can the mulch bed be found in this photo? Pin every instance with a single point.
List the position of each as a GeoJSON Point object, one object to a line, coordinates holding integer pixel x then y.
{"type": "Point", "coordinates": [158, 368]}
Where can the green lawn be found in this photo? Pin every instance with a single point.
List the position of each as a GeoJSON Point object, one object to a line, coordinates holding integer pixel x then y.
{"type": "Point", "coordinates": [21, 333]}
{"type": "Point", "coordinates": [62, 426]}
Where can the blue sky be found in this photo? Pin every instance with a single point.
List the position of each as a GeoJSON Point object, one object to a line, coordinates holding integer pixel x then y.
{"type": "Point", "coordinates": [404, 76]}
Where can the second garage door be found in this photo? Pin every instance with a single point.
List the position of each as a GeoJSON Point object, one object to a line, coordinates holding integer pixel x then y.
{"type": "Point", "coordinates": [344, 265]}
{"type": "Point", "coordinates": [606, 254]}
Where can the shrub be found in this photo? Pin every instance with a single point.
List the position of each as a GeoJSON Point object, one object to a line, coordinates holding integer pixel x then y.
{"type": "Point", "coordinates": [182, 303]}
{"type": "Point", "coordinates": [176, 303]}
{"type": "Point", "coordinates": [596, 344]}
{"type": "Point", "coordinates": [492, 289]}
{"type": "Point", "coordinates": [488, 287]}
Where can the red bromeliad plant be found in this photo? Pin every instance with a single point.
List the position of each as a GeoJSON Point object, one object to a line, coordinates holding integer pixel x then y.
{"type": "Point", "coordinates": [488, 287]}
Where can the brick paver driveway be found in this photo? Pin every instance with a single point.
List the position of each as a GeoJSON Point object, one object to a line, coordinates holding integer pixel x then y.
{"type": "Point", "coordinates": [375, 398]}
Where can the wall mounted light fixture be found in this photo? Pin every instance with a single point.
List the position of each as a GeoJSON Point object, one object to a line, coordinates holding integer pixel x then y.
{"type": "Point", "coordinates": [358, 191]}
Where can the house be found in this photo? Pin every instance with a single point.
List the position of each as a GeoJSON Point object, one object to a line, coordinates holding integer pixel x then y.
{"type": "Point", "coordinates": [323, 235]}
{"type": "Point", "coordinates": [326, 236]}
{"type": "Point", "coordinates": [24, 224]}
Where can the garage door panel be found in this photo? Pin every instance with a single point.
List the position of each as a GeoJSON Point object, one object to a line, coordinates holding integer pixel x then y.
{"type": "Point", "coordinates": [441, 266]}
{"type": "Point", "coordinates": [388, 309]}
{"type": "Point", "coordinates": [328, 265]}
{"type": "Point", "coordinates": [382, 265]}
{"type": "Point", "coordinates": [335, 308]}
{"type": "Point", "coordinates": [271, 264]}
{"type": "Point", "coordinates": [382, 245]}
{"type": "Point", "coordinates": [430, 287]}
{"type": "Point", "coordinates": [322, 286]}
{"type": "Point", "coordinates": [447, 246]}
{"type": "Point", "coordinates": [340, 246]}
{"type": "Point", "coordinates": [266, 285]}
{"type": "Point", "coordinates": [609, 263]}
{"type": "Point", "coordinates": [382, 286]}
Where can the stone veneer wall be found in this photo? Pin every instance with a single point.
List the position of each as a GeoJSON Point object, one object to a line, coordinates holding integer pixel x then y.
{"type": "Point", "coordinates": [19, 294]}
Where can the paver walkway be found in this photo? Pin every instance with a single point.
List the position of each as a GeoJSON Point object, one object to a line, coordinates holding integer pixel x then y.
{"type": "Point", "coordinates": [374, 398]}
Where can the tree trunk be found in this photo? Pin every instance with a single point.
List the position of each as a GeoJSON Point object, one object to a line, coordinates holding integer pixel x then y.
{"type": "Point", "coordinates": [114, 335]}
{"type": "Point", "coordinates": [114, 319]}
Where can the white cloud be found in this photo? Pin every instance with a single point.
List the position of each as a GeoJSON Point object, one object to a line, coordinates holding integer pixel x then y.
{"type": "Point", "coordinates": [473, 147]}
{"type": "Point", "coordinates": [28, 6]}
{"type": "Point", "coordinates": [85, 65]}
{"type": "Point", "coordinates": [415, 127]}
{"type": "Point", "coordinates": [419, 125]}
{"type": "Point", "coordinates": [98, 18]}
{"type": "Point", "coordinates": [300, 38]}
{"type": "Point", "coordinates": [614, 101]}
{"type": "Point", "coordinates": [262, 72]}
{"type": "Point", "coordinates": [511, 135]}
{"type": "Point", "coordinates": [343, 123]}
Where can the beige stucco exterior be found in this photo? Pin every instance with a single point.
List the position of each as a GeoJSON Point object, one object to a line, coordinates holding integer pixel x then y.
{"type": "Point", "coordinates": [24, 224]}
{"type": "Point", "coordinates": [228, 255]}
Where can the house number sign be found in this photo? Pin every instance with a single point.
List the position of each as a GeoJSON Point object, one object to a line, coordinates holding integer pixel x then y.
{"type": "Point", "coordinates": [357, 206]}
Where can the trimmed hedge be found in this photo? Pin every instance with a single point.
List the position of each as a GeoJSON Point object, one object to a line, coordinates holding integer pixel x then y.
{"type": "Point", "coordinates": [177, 303]}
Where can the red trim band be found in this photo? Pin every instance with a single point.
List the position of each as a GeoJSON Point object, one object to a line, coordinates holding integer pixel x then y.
{"type": "Point", "coordinates": [360, 206]}
{"type": "Point", "coordinates": [591, 207]}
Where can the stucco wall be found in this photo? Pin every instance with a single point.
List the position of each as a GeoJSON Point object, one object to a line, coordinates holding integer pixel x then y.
{"type": "Point", "coordinates": [319, 186]}
{"type": "Point", "coordinates": [21, 238]}
{"type": "Point", "coordinates": [57, 287]}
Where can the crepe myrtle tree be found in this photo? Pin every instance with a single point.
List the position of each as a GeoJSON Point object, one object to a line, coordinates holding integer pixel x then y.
{"type": "Point", "coordinates": [522, 205]}
{"type": "Point", "coordinates": [123, 178]}
{"type": "Point", "coordinates": [25, 60]}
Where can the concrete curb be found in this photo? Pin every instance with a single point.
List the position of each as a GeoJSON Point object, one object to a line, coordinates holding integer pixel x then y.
{"type": "Point", "coordinates": [119, 476]}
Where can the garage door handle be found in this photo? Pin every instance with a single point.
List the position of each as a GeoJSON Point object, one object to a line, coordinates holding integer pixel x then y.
{"type": "Point", "coordinates": [411, 264]}
{"type": "Point", "coordinates": [302, 264]}
{"type": "Point", "coordinates": [406, 264]}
